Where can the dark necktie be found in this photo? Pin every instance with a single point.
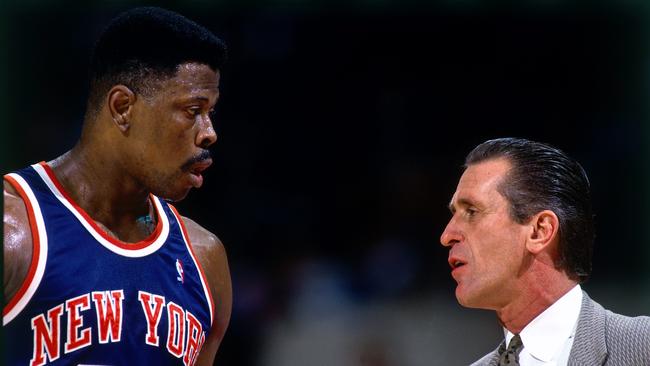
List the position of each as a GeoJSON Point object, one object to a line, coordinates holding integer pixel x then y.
{"type": "Point", "coordinates": [510, 356]}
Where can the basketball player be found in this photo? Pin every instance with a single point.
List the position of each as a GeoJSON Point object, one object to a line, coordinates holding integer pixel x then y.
{"type": "Point", "coordinates": [98, 268]}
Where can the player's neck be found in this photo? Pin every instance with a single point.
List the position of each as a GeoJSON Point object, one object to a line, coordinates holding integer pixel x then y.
{"type": "Point", "coordinates": [536, 295]}
{"type": "Point", "coordinates": [97, 186]}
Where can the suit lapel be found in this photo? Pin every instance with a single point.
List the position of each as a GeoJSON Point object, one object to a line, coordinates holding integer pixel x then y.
{"type": "Point", "coordinates": [494, 360]}
{"type": "Point", "coordinates": [589, 346]}
{"type": "Point", "coordinates": [491, 359]}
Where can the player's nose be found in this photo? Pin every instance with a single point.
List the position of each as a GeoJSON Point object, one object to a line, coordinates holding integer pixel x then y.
{"type": "Point", "coordinates": [451, 235]}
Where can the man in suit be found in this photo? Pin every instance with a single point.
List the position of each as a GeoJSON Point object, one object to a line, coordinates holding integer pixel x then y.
{"type": "Point", "coordinates": [520, 243]}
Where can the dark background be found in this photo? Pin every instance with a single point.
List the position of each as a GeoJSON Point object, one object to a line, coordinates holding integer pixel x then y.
{"type": "Point", "coordinates": [342, 128]}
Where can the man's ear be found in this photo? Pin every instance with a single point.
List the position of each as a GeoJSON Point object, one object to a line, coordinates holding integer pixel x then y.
{"type": "Point", "coordinates": [120, 103]}
{"type": "Point", "coordinates": [545, 226]}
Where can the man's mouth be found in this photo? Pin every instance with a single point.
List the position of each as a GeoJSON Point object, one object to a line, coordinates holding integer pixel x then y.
{"type": "Point", "coordinates": [456, 263]}
{"type": "Point", "coordinates": [203, 159]}
{"type": "Point", "coordinates": [196, 171]}
{"type": "Point", "coordinates": [200, 166]}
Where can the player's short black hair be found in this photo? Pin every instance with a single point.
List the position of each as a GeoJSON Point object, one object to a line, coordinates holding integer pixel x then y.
{"type": "Point", "coordinates": [543, 177]}
{"type": "Point", "coordinates": [147, 44]}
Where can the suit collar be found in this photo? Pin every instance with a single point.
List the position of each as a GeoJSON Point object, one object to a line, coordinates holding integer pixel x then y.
{"type": "Point", "coordinates": [589, 346]}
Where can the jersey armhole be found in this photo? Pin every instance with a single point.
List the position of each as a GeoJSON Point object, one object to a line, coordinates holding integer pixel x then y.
{"type": "Point", "coordinates": [20, 299]}
{"type": "Point", "coordinates": [197, 263]}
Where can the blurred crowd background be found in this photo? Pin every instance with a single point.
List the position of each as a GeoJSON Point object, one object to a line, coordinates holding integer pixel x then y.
{"type": "Point", "coordinates": [342, 130]}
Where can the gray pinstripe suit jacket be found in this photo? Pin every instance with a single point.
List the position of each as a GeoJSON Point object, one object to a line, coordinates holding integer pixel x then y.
{"type": "Point", "coordinates": [602, 338]}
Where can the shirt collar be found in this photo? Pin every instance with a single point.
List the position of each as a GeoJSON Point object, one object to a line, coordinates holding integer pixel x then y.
{"type": "Point", "coordinates": [544, 336]}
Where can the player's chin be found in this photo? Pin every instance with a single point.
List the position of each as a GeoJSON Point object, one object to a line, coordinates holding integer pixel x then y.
{"type": "Point", "coordinates": [476, 297]}
{"type": "Point", "coordinates": [176, 198]}
{"type": "Point", "coordinates": [464, 297]}
{"type": "Point", "coordinates": [174, 194]}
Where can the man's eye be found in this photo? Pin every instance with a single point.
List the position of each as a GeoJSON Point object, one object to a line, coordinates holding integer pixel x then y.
{"type": "Point", "coordinates": [471, 212]}
{"type": "Point", "coordinates": [195, 111]}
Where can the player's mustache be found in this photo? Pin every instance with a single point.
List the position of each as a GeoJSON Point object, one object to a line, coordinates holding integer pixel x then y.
{"type": "Point", "coordinates": [204, 155]}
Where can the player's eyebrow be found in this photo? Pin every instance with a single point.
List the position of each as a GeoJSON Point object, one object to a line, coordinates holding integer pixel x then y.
{"type": "Point", "coordinates": [460, 202]}
{"type": "Point", "coordinates": [198, 98]}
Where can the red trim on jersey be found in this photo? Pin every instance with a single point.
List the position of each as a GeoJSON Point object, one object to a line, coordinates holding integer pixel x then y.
{"type": "Point", "coordinates": [198, 263]}
{"type": "Point", "coordinates": [117, 242]}
{"type": "Point", "coordinates": [36, 246]}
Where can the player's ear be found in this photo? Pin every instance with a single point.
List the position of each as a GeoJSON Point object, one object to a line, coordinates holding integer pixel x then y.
{"type": "Point", "coordinates": [120, 103]}
{"type": "Point", "coordinates": [544, 227]}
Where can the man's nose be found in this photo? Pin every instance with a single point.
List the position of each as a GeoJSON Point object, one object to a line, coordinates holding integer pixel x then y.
{"type": "Point", "coordinates": [207, 135]}
{"type": "Point", "coordinates": [451, 235]}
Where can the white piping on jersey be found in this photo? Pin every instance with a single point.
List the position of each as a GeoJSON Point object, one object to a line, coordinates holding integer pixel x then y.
{"type": "Point", "coordinates": [132, 253]}
{"type": "Point", "coordinates": [196, 264]}
{"type": "Point", "coordinates": [35, 281]}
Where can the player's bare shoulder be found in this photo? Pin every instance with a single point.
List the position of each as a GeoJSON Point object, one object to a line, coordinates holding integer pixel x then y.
{"type": "Point", "coordinates": [211, 255]}
{"type": "Point", "coordinates": [205, 244]}
{"type": "Point", "coordinates": [17, 243]}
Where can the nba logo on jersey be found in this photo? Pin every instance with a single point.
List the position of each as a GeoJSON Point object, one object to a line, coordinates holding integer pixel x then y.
{"type": "Point", "coordinates": [179, 269]}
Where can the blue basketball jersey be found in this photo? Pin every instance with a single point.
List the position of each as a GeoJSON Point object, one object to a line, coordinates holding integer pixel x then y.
{"type": "Point", "coordinates": [91, 299]}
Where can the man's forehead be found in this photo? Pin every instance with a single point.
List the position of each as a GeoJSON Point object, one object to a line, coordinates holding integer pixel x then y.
{"type": "Point", "coordinates": [191, 68]}
{"type": "Point", "coordinates": [195, 75]}
{"type": "Point", "coordinates": [192, 80]}
{"type": "Point", "coordinates": [480, 179]}
{"type": "Point", "coordinates": [485, 172]}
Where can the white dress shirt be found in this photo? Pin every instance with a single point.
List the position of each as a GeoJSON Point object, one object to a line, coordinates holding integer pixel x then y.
{"type": "Point", "coordinates": [549, 337]}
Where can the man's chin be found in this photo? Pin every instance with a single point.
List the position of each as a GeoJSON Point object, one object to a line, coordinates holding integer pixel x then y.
{"type": "Point", "coordinates": [474, 299]}
{"type": "Point", "coordinates": [465, 299]}
{"type": "Point", "coordinates": [173, 196]}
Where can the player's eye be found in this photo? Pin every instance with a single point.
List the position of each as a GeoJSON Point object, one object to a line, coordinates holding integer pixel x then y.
{"type": "Point", "coordinates": [194, 111]}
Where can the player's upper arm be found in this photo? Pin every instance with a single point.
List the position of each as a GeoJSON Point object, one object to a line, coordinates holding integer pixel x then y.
{"type": "Point", "coordinates": [17, 243]}
{"type": "Point", "coordinates": [211, 254]}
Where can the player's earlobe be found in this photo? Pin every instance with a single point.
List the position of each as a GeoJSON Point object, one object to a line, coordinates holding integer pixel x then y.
{"type": "Point", "coordinates": [120, 100]}
{"type": "Point", "coordinates": [544, 229]}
